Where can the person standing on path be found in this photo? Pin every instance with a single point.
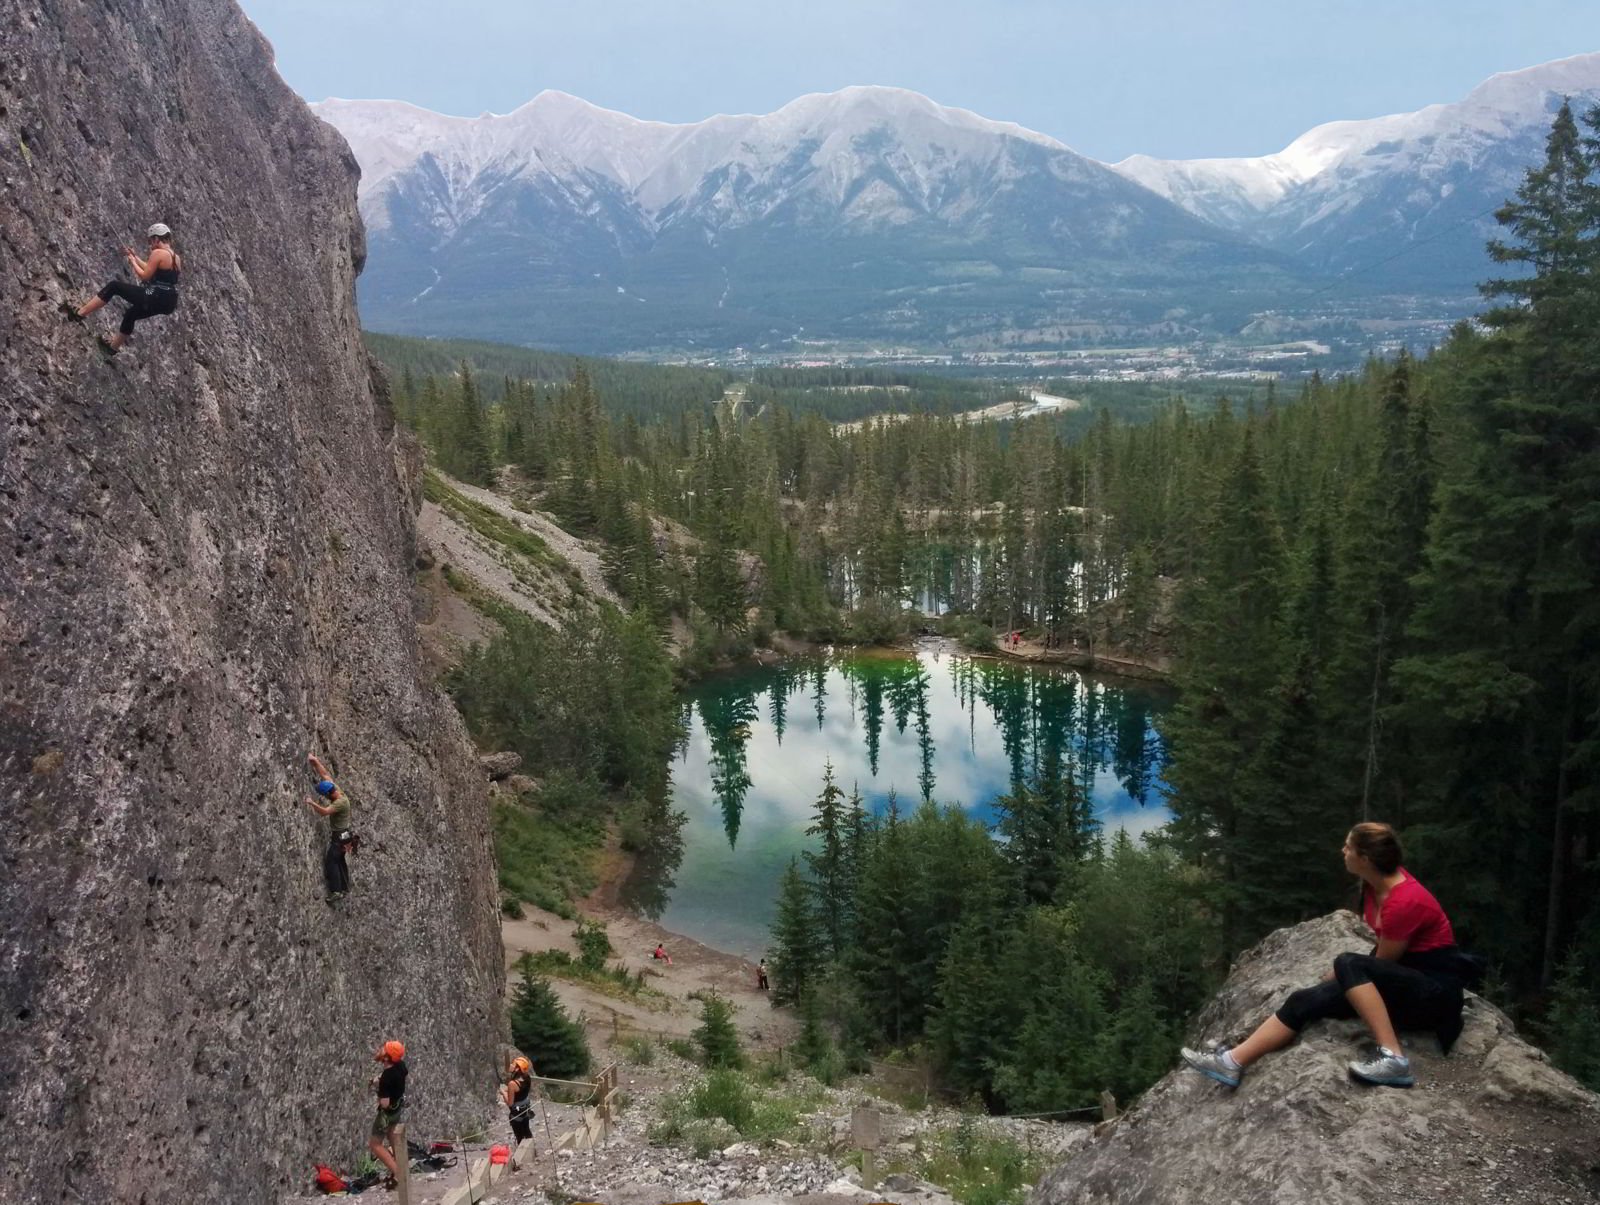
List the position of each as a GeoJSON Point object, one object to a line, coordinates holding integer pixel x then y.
{"type": "Point", "coordinates": [518, 1095]}
{"type": "Point", "coordinates": [335, 870]}
{"type": "Point", "coordinates": [761, 975]}
{"type": "Point", "coordinates": [391, 1088]}
{"type": "Point", "coordinates": [156, 290]}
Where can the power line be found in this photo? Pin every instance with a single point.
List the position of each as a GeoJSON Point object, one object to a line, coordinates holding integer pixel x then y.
{"type": "Point", "coordinates": [1348, 273]}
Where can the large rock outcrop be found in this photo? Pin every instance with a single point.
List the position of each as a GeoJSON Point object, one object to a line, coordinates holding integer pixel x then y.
{"type": "Point", "coordinates": [1493, 1122]}
{"type": "Point", "coordinates": [205, 553]}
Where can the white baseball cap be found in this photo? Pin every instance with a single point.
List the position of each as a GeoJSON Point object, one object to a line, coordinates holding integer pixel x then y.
{"type": "Point", "coordinates": [159, 230]}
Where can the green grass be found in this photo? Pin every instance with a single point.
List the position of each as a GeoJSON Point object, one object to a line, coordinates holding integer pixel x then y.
{"type": "Point", "coordinates": [977, 1168]}
{"type": "Point", "coordinates": [547, 845]}
{"type": "Point", "coordinates": [609, 981]}
{"type": "Point", "coordinates": [726, 1102]}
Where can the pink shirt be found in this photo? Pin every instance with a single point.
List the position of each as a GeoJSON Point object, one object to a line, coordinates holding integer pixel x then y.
{"type": "Point", "coordinates": [1410, 914]}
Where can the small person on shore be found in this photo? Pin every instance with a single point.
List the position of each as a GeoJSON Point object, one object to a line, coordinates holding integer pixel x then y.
{"type": "Point", "coordinates": [661, 954]}
{"type": "Point", "coordinates": [761, 975]}
{"type": "Point", "coordinates": [390, 1085]}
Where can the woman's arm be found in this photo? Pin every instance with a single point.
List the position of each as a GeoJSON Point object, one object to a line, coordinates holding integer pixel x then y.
{"type": "Point", "coordinates": [1390, 949]}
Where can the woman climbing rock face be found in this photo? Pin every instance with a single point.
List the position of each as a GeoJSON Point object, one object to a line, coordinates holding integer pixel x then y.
{"type": "Point", "coordinates": [1413, 979]}
{"type": "Point", "coordinates": [155, 293]}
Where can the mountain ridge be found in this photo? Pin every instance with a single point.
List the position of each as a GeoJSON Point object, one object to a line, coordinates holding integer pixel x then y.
{"type": "Point", "coordinates": [876, 214]}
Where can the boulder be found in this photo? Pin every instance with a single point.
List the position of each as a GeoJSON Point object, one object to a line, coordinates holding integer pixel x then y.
{"type": "Point", "coordinates": [500, 765]}
{"type": "Point", "coordinates": [1493, 1122]}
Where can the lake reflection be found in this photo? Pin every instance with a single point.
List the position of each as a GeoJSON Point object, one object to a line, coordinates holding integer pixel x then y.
{"type": "Point", "coordinates": [955, 729]}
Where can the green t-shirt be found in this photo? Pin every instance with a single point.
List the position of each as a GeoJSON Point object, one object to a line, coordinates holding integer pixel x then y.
{"type": "Point", "coordinates": [339, 818]}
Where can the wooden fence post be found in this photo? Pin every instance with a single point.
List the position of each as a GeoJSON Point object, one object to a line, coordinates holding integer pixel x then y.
{"type": "Point", "coordinates": [402, 1163]}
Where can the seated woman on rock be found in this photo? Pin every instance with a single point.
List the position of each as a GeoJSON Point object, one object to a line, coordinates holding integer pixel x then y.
{"type": "Point", "coordinates": [156, 293]}
{"type": "Point", "coordinates": [1412, 980]}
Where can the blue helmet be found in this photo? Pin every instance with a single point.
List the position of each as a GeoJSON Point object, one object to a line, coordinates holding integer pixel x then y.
{"type": "Point", "coordinates": [325, 787]}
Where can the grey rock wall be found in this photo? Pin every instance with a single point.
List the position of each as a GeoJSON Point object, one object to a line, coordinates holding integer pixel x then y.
{"type": "Point", "coordinates": [1493, 1122]}
{"type": "Point", "coordinates": [205, 553]}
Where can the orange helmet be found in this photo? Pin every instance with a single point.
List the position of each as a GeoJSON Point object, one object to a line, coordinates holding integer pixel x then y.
{"type": "Point", "coordinates": [392, 1050]}
{"type": "Point", "coordinates": [521, 1065]}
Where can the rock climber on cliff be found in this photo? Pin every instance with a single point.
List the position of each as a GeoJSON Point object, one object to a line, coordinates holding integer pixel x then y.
{"type": "Point", "coordinates": [390, 1085]}
{"type": "Point", "coordinates": [155, 293]}
{"type": "Point", "coordinates": [341, 840]}
{"type": "Point", "coordinates": [517, 1092]}
{"type": "Point", "coordinates": [1413, 979]}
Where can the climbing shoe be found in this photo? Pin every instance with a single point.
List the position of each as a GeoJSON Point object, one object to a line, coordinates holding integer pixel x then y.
{"type": "Point", "coordinates": [1211, 1062]}
{"type": "Point", "coordinates": [105, 347]}
{"type": "Point", "coordinates": [1384, 1066]}
{"type": "Point", "coordinates": [70, 312]}
{"type": "Point", "coordinates": [333, 897]}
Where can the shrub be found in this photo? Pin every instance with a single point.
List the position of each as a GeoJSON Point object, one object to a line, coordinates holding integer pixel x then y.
{"type": "Point", "coordinates": [682, 1047]}
{"type": "Point", "coordinates": [594, 945]}
{"type": "Point", "coordinates": [541, 1029]}
{"type": "Point", "coordinates": [716, 1036]}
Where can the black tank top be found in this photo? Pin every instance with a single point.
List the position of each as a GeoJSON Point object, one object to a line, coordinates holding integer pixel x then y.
{"type": "Point", "coordinates": [166, 278]}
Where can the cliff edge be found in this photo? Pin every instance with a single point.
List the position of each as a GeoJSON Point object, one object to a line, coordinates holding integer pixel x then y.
{"type": "Point", "coordinates": [1492, 1122]}
{"type": "Point", "coordinates": [205, 572]}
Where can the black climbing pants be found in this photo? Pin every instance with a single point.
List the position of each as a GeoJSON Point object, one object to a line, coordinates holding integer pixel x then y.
{"type": "Point", "coordinates": [144, 301]}
{"type": "Point", "coordinates": [1421, 991]}
{"type": "Point", "coordinates": [334, 868]}
{"type": "Point", "coordinates": [522, 1127]}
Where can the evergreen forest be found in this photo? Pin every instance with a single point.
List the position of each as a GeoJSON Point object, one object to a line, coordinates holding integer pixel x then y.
{"type": "Point", "coordinates": [1379, 599]}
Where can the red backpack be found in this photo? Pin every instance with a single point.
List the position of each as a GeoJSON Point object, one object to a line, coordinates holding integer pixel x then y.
{"type": "Point", "coordinates": [327, 1180]}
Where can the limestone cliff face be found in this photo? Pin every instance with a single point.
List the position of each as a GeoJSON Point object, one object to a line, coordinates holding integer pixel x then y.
{"type": "Point", "coordinates": [205, 553]}
{"type": "Point", "coordinates": [1492, 1122]}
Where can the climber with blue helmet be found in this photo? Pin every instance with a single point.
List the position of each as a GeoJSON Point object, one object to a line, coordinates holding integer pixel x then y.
{"type": "Point", "coordinates": [154, 291]}
{"type": "Point", "coordinates": [341, 840]}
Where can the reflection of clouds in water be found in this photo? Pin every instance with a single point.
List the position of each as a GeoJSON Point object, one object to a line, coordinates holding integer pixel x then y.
{"type": "Point", "coordinates": [726, 896]}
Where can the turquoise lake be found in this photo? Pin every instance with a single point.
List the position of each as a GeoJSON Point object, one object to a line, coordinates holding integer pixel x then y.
{"type": "Point", "coordinates": [957, 729]}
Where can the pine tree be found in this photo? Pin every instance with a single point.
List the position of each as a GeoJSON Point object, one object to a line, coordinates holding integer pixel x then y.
{"type": "Point", "coordinates": [829, 865]}
{"type": "Point", "coordinates": [541, 1029]}
{"type": "Point", "coordinates": [797, 950]}
{"type": "Point", "coordinates": [716, 1035]}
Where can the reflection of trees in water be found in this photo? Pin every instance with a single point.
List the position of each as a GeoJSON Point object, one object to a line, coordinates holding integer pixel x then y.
{"type": "Point", "coordinates": [1056, 723]}
{"type": "Point", "coordinates": [901, 685]}
{"type": "Point", "coordinates": [727, 716]}
{"type": "Point", "coordinates": [1058, 729]}
{"type": "Point", "coordinates": [648, 885]}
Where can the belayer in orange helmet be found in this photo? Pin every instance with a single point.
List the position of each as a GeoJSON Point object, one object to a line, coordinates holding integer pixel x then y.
{"type": "Point", "coordinates": [391, 1088]}
{"type": "Point", "coordinates": [518, 1095]}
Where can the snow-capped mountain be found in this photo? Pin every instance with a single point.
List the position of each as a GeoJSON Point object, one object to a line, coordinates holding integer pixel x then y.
{"type": "Point", "coordinates": [870, 211]}
{"type": "Point", "coordinates": [1346, 194]}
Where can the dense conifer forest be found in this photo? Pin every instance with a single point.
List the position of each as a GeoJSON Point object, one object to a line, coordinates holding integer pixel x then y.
{"type": "Point", "coordinates": [1383, 596]}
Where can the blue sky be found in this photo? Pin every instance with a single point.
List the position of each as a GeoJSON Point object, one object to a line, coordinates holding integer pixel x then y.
{"type": "Point", "coordinates": [1175, 78]}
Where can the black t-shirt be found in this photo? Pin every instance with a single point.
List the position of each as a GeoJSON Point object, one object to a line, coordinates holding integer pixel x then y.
{"type": "Point", "coordinates": [392, 1083]}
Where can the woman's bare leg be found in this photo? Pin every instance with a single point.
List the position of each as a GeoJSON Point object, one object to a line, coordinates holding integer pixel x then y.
{"type": "Point", "coordinates": [118, 340]}
{"type": "Point", "coordinates": [1272, 1034]}
{"type": "Point", "coordinates": [1369, 1006]}
{"type": "Point", "coordinates": [90, 306]}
